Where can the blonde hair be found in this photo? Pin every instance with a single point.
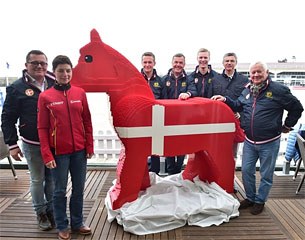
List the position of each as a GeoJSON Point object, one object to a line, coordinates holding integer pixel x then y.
{"type": "Point", "coordinates": [203, 50]}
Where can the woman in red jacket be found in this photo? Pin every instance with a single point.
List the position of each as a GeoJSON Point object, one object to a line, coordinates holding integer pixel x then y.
{"type": "Point", "coordinates": [65, 133]}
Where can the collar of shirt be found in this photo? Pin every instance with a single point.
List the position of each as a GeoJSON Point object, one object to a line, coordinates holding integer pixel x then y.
{"type": "Point", "coordinates": [178, 77]}
{"type": "Point", "coordinates": [230, 76]}
{"type": "Point", "coordinates": [40, 86]}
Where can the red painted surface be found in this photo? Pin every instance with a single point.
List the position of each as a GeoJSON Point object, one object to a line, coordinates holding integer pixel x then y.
{"type": "Point", "coordinates": [166, 125]}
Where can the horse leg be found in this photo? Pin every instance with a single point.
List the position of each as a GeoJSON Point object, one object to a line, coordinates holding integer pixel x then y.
{"type": "Point", "coordinates": [221, 152]}
{"type": "Point", "coordinates": [213, 163]}
{"type": "Point", "coordinates": [132, 175]}
{"type": "Point", "coordinates": [201, 164]}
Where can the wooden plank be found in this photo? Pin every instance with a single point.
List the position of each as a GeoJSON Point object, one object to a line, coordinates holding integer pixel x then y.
{"type": "Point", "coordinates": [19, 220]}
{"type": "Point", "coordinates": [291, 220]}
{"type": "Point", "coordinates": [282, 218]}
{"type": "Point", "coordinates": [104, 227]}
{"type": "Point", "coordinates": [91, 178]}
{"type": "Point", "coordinates": [94, 219]}
{"type": "Point", "coordinates": [246, 226]}
{"type": "Point", "coordinates": [283, 186]}
{"type": "Point", "coordinates": [107, 184]}
{"type": "Point", "coordinates": [5, 202]}
{"type": "Point", "coordinates": [112, 231]}
{"type": "Point", "coordinates": [97, 184]}
{"type": "Point", "coordinates": [119, 233]}
{"type": "Point", "coordinates": [13, 188]}
{"type": "Point", "coordinates": [164, 235]}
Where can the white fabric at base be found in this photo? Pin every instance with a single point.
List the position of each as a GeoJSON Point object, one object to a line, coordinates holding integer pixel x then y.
{"type": "Point", "coordinates": [171, 202]}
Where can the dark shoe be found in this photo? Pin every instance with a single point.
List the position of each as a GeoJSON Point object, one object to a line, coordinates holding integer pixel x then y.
{"type": "Point", "coordinates": [83, 230]}
{"type": "Point", "coordinates": [257, 208]}
{"type": "Point", "coordinates": [64, 235]}
{"type": "Point", "coordinates": [245, 204]}
{"type": "Point", "coordinates": [43, 222]}
{"type": "Point", "coordinates": [51, 219]}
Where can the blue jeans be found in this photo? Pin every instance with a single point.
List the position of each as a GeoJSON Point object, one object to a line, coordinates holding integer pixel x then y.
{"type": "Point", "coordinates": [76, 164]}
{"type": "Point", "coordinates": [267, 154]}
{"type": "Point", "coordinates": [42, 185]}
{"type": "Point", "coordinates": [173, 166]}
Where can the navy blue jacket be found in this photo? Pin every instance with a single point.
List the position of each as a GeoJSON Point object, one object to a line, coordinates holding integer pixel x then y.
{"type": "Point", "coordinates": [21, 103]}
{"type": "Point", "coordinates": [225, 86]}
{"type": "Point", "coordinates": [263, 114]}
{"type": "Point", "coordinates": [156, 85]}
{"type": "Point", "coordinates": [203, 82]}
{"type": "Point", "coordinates": [176, 86]}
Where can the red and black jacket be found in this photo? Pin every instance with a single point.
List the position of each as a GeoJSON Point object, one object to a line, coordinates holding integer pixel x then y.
{"type": "Point", "coordinates": [64, 121]}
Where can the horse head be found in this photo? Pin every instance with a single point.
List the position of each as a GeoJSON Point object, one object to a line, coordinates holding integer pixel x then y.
{"type": "Point", "coordinates": [100, 68]}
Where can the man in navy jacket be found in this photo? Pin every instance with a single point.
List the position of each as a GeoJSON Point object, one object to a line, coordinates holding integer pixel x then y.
{"type": "Point", "coordinates": [263, 103]}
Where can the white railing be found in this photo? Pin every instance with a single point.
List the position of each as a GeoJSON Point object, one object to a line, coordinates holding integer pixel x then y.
{"type": "Point", "coordinates": [107, 147]}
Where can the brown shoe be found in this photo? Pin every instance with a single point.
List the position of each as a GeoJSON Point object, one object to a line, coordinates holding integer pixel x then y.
{"type": "Point", "coordinates": [245, 204]}
{"type": "Point", "coordinates": [83, 230]}
{"type": "Point", "coordinates": [257, 208]}
{"type": "Point", "coordinates": [64, 235]}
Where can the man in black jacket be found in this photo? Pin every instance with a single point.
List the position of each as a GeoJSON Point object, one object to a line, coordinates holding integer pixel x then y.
{"type": "Point", "coordinates": [20, 106]}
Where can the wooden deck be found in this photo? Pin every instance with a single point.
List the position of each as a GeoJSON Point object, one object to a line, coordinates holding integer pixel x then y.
{"type": "Point", "coordinates": [283, 217]}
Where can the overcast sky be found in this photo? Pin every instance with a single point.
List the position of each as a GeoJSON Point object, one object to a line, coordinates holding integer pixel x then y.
{"type": "Point", "coordinates": [266, 30]}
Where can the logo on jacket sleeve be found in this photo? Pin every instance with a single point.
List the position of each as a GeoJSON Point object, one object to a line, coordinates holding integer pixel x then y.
{"type": "Point", "coordinates": [29, 92]}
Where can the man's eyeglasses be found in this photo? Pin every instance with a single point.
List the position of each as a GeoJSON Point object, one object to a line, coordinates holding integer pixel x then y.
{"type": "Point", "coordinates": [36, 63]}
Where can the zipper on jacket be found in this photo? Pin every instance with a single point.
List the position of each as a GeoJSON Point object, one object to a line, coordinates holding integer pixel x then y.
{"type": "Point", "coordinates": [202, 91]}
{"type": "Point", "coordinates": [252, 116]}
{"type": "Point", "coordinates": [176, 88]}
{"type": "Point", "coordinates": [54, 132]}
{"type": "Point", "coordinates": [67, 101]}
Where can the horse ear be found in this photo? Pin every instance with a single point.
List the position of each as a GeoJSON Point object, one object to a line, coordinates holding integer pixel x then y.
{"type": "Point", "coordinates": [95, 37]}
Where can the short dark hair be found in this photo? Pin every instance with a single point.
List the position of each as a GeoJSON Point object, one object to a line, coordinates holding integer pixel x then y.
{"type": "Point", "coordinates": [230, 54]}
{"type": "Point", "coordinates": [178, 55]}
{"type": "Point", "coordinates": [61, 59]}
{"type": "Point", "coordinates": [34, 52]}
{"type": "Point", "coordinates": [149, 54]}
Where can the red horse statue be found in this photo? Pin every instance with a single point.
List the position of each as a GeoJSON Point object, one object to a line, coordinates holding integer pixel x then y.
{"type": "Point", "coordinates": [156, 127]}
